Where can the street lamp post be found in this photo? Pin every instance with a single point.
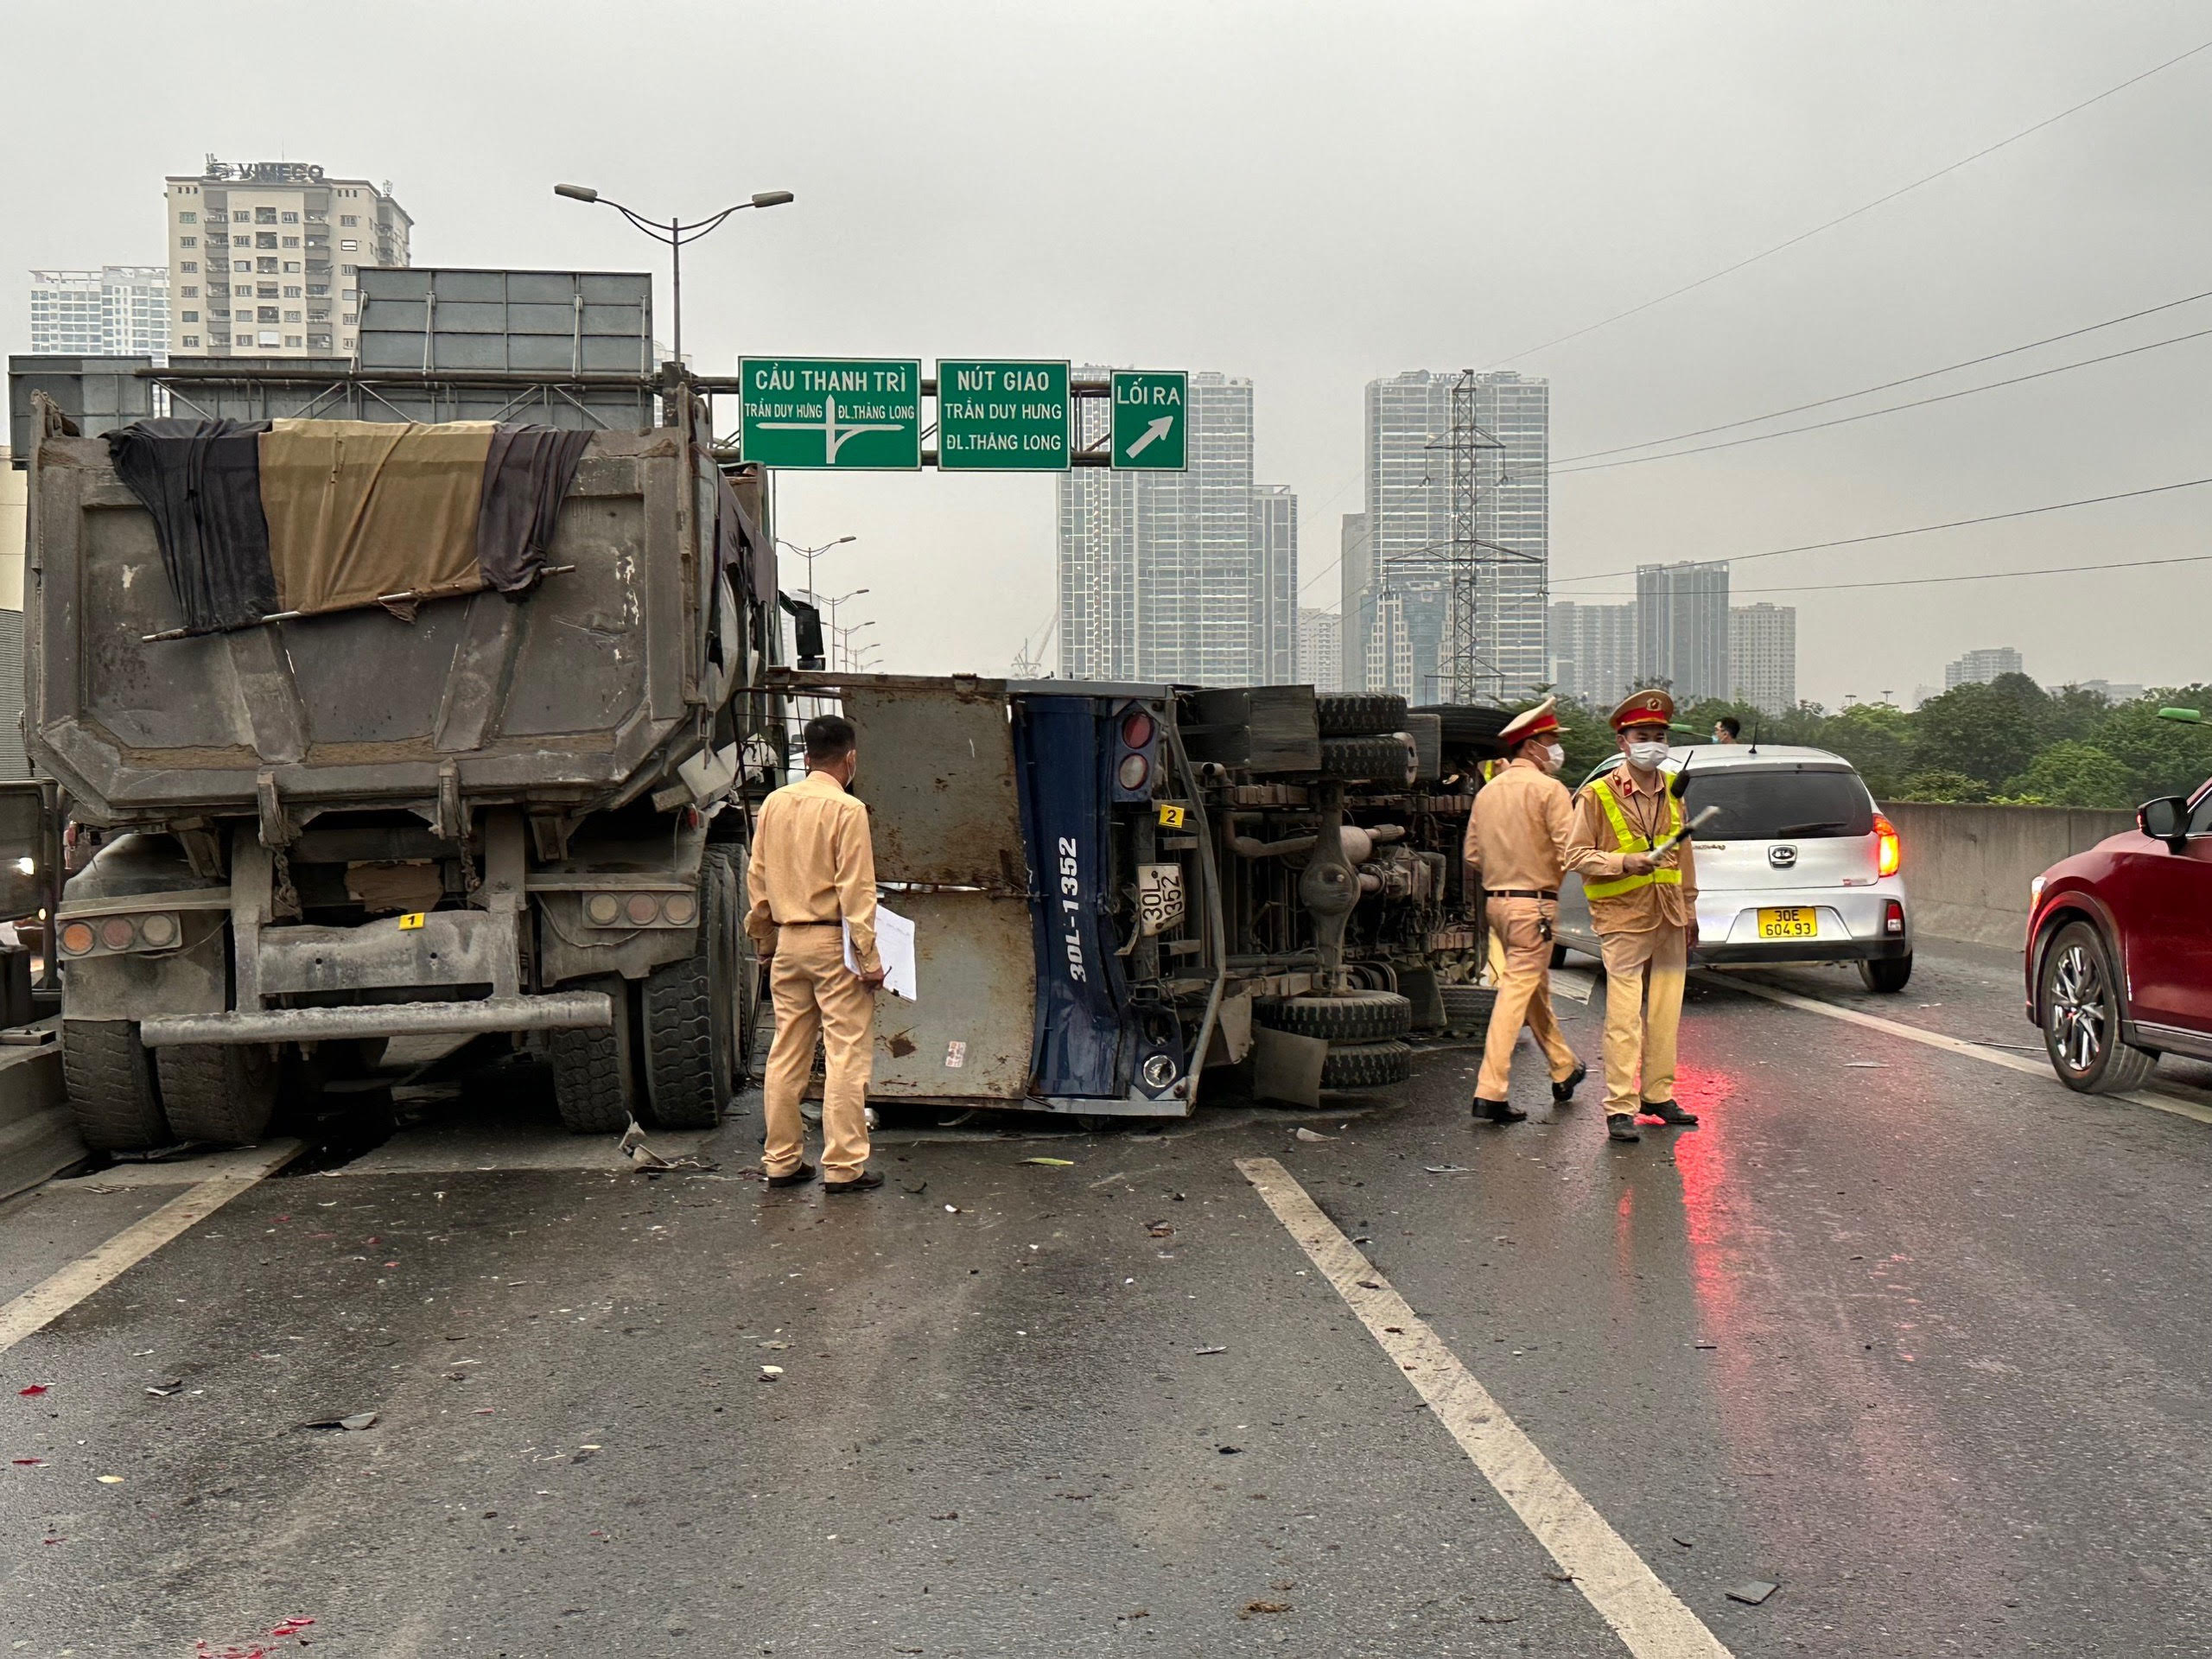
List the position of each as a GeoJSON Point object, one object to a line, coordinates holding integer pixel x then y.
{"type": "Point", "coordinates": [674, 235]}
{"type": "Point", "coordinates": [811, 554]}
{"type": "Point", "coordinates": [845, 636]}
{"type": "Point", "coordinates": [838, 601]}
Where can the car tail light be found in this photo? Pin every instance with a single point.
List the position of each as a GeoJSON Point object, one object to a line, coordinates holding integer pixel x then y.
{"type": "Point", "coordinates": [1892, 856]}
{"type": "Point", "coordinates": [76, 938]}
{"type": "Point", "coordinates": [119, 933]}
{"type": "Point", "coordinates": [642, 908]}
{"type": "Point", "coordinates": [1893, 920]}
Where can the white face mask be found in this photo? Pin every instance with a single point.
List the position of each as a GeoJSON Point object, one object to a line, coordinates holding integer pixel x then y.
{"type": "Point", "coordinates": [1554, 757]}
{"type": "Point", "coordinates": [1647, 756]}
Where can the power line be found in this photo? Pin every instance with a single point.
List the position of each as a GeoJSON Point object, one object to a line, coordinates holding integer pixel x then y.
{"type": "Point", "coordinates": [1982, 576]}
{"type": "Point", "coordinates": [1887, 409]}
{"type": "Point", "coordinates": [1902, 190]}
{"type": "Point", "coordinates": [1887, 385]}
{"type": "Point", "coordinates": [1923, 530]}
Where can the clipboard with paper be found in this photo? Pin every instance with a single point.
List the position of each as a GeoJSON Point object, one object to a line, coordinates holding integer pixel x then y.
{"type": "Point", "coordinates": [895, 948]}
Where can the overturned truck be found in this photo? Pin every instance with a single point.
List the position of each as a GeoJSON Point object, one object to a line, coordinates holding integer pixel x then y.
{"type": "Point", "coordinates": [391, 730]}
{"type": "Point", "coordinates": [1116, 887]}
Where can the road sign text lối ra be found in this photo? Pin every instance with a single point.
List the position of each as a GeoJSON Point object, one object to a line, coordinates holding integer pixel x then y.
{"type": "Point", "coordinates": [1151, 430]}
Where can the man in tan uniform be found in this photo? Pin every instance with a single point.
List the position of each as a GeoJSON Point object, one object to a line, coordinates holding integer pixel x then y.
{"type": "Point", "coordinates": [814, 868]}
{"type": "Point", "coordinates": [1644, 907]}
{"type": "Point", "coordinates": [1516, 848]}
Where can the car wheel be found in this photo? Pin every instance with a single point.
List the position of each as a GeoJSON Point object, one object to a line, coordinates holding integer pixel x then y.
{"type": "Point", "coordinates": [2079, 995]}
{"type": "Point", "coordinates": [1886, 978]}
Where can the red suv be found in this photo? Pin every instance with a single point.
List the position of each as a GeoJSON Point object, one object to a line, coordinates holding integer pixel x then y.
{"type": "Point", "coordinates": [2120, 949]}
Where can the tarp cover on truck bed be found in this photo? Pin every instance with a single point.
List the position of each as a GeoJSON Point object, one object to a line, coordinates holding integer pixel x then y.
{"type": "Point", "coordinates": [307, 517]}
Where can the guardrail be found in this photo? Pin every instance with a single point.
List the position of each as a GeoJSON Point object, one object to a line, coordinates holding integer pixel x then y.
{"type": "Point", "coordinates": [1967, 868]}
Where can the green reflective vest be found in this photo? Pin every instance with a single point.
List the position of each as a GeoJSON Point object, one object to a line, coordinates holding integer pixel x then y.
{"type": "Point", "coordinates": [1630, 842]}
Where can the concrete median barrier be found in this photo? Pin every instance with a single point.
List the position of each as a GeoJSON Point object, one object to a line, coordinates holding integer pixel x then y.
{"type": "Point", "coordinates": [1968, 867]}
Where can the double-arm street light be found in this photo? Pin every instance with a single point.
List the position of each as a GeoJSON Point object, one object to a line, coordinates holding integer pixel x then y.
{"type": "Point", "coordinates": [674, 235]}
{"type": "Point", "coordinates": [811, 554]}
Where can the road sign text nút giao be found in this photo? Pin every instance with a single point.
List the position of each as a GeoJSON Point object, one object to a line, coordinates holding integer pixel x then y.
{"type": "Point", "coordinates": [849, 413]}
{"type": "Point", "coordinates": [995, 415]}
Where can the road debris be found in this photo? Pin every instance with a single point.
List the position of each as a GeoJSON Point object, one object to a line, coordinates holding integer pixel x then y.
{"type": "Point", "coordinates": [1301, 1132]}
{"type": "Point", "coordinates": [1229, 1451]}
{"type": "Point", "coordinates": [34, 1391]}
{"type": "Point", "coordinates": [1051, 1163]}
{"type": "Point", "coordinates": [1250, 1608]}
{"type": "Point", "coordinates": [356, 1422]}
{"type": "Point", "coordinates": [1685, 1542]}
{"type": "Point", "coordinates": [1753, 1592]}
{"type": "Point", "coordinates": [1448, 1169]}
{"type": "Point", "coordinates": [162, 1390]}
{"type": "Point", "coordinates": [770, 1373]}
{"type": "Point", "coordinates": [634, 1148]}
{"type": "Point", "coordinates": [1215, 1349]}
{"type": "Point", "coordinates": [109, 1480]}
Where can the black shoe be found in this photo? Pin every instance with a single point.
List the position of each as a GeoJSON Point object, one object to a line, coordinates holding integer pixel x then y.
{"type": "Point", "coordinates": [1497, 1111]}
{"type": "Point", "coordinates": [798, 1177]}
{"type": "Point", "coordinates": [1564, 1090]}
{"type": "Point", "coordinates": [858, 1184]}
{"type": "Point", "coordinates": [1668, 1113]}
{"type": "Point", "coordinates": [1619, 1126]}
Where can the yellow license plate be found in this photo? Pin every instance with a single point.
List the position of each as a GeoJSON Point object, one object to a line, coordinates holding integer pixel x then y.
{"type": "Point", "coordinates": [1789, 922]}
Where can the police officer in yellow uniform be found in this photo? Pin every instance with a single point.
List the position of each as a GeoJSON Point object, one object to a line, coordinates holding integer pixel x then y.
{"type": "Point", "coordinates": [1643, 905]}
{"type": "Point", "coordinates": [814, 869]}
{"type": "Point", "coordinates": [1516, 848]}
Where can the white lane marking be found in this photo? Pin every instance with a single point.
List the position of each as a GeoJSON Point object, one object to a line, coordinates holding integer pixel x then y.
{"type": "Point", "coordinates": [1651, 1621]}
{"type": "Point", "coordinates": [2151, 1097]}
{"type": "Point", "coordinates": [45, 1302]}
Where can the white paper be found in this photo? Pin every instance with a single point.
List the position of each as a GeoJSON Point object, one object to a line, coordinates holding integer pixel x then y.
{"type": "Point", "coordinates": [895, 948]}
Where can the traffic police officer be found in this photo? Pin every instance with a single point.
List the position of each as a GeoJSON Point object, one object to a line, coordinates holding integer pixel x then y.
{"type": "Point", "coordinates": [814, 868]}
{"type": "Point", "coordinates": [1643, 905]}
{"type": "Point", "coordinates": [1516, 848]}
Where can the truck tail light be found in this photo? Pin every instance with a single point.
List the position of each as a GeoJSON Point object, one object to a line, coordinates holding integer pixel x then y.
{"type": "Point", "coordinates": [642, 908]}
{"type": "Point", "coordinates": [158, 932]}
{"type": "Point", "coordinates": [76, 938]}
{"type": "Point", "coordinates": [1891, 857]}
{"type": "Point", "coordinates": [680, 908]}
{"type": "Point", "coordinates": [1135, 770]}
{"type": "Point", "coordinates": [1893, 920]}
{"type": "Point", "coordinates": [119, 933]}
{"type": "Point", "coordinates": [602, 909]}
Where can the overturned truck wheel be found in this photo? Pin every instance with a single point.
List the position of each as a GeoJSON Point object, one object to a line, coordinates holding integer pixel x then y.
{"type": "Point", "coordinates": [222, 1093]}
{"type": "Point", "coordinates": [1366, 1066]}
{"type": "Point", "coordinates": [691, 1011]}
{"type": "Point", "coordinates": [1350, 1017]}
{"type": "Point", "coordinates": [1358, 714]}
{"type": "Point", "coordinates": [109, 1074]}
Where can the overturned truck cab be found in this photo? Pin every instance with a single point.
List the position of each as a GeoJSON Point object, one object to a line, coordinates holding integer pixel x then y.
{"type": "Point", "coordinates": [1117, 887]}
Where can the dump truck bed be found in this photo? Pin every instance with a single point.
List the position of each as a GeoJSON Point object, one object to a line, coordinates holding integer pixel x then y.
{"type": "Point", "coordinates": [568, 698]}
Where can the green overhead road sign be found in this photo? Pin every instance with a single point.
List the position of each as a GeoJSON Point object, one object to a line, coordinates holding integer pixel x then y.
{"type": "Point", "coordinates": [1150, 424]}
{"type": "Point", "coordinates": [854, 414]}
{"type": "Point", "coordinates": [993, 415]}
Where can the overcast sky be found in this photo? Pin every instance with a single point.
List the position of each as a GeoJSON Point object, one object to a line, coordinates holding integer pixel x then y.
{"type": "Point", "coordinates": [1314, 195]}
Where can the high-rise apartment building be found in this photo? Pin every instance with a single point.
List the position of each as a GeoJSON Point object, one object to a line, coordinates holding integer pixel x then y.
{"type": "Point", "coordinates": [1355, 568]}
{"type": "Point", "coordinates": [1320, 650]}
{"type": "Point", "coordinates": [265, 258]}
{"type": "Point", "coordinates": [1762, 656]}
{"type": "Point", "coordinates": [1981, 667]}
{"type": "Point", "coordinates": [1274, 585]}
{"type": "Point", "coordinates": [1593, 651]}
{"type": "Point", "coordinates": [1408, 535]}
{"type": "Point", "coordinates": [1190, 576]}
{"type": "Point", "coordinates": [116, 311]}
{"type": "Point", "coordinates": [1682, 619]}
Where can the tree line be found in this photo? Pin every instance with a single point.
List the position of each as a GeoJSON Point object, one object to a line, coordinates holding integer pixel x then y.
{"type": "Point", "coordinates": [2009, 742]}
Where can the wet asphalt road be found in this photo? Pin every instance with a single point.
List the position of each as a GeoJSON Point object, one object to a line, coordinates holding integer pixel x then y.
{"type": "Point", "coordinates": [1920, 1339]}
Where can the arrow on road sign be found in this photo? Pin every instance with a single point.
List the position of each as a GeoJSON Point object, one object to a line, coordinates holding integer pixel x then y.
{"type": "Point", "coordinates": [833, 435]}
{"type": "Point", "coordinates": [1153, 433]}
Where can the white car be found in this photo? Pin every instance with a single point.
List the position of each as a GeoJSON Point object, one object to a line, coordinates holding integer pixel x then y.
{"type": "Point", "coordinates": [1797, 865]}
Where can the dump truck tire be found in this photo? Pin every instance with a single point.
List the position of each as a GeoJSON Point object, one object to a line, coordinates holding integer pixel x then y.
{"type": "Point", "coordinates": [221, 1093]}
{"type": "Point", "coordinates": [596, 1069]}
{"type": "Point", "coordinates": [1367, 759]}
{"type": "Point", "coordinates": [1353, 1017]}
{"type": "Point", "coordinates": [1467, 1007]}
{"type": "Point", "coordinates": [1366, 1066]}
{"type": "Point", "coordinates": [690, 1012]}
{"type": "Point", "coordinates": [1360, 714]}
{"type": "Point", "coordinates": [112, 1094]}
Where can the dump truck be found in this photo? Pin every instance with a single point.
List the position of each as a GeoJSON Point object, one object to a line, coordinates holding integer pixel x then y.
{"type": "Point", "coordinates": [453, 809]}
